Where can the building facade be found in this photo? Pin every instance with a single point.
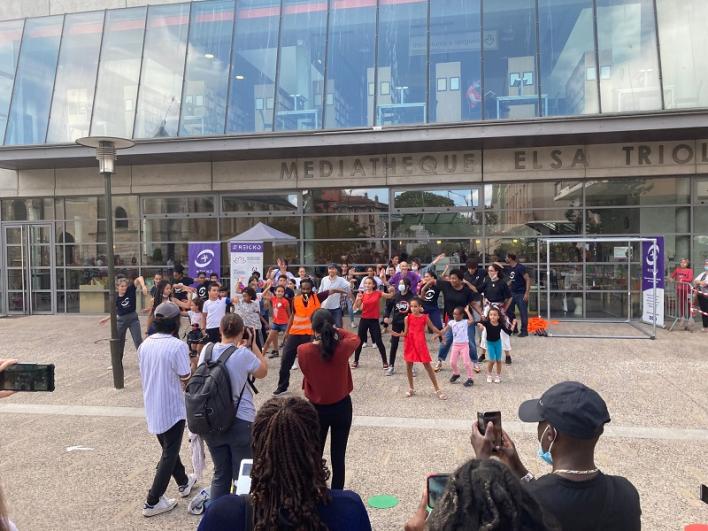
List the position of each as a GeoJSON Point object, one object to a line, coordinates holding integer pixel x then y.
{"type": "Point", "coordinates": [364, 128]}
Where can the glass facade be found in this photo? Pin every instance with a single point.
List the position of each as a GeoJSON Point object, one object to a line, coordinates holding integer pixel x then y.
{"type": "Point", "coordinates": [242, 66]}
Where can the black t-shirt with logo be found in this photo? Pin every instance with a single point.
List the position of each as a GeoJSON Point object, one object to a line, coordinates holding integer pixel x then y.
{"type": "Point", "coordinates": [607, 503]}
{"type": "Point", "coordinates": [179, 293]}
{"type": "Point", "coordinates": [401, 308]}
{"type": "Point", "coordinates": [430, 297]}
{"type": "Point", "coordinates": [126, 303]}
{"type": "Point", "coordinates": [202, 289]}
{"type": "Point", "coordinates": [454, 297]}
{"type": "Point", "coordinates": [516, 275]}
{"type": "Point", "coordinates": [495, 290]}
{"type": "Point", "coordinates": [476, 279]}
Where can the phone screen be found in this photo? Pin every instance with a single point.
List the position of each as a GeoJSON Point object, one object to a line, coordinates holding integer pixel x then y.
{"type": "Point", "coordinates": [27, 377]}
{"type": "Point", "coordinates": [246, 469]}
{"type": "Point", "coordinates": [495, 418]}
{"type": "Point", "coordinates": [436, 487]}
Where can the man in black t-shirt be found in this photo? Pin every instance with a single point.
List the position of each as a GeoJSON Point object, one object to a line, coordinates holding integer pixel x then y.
{"type": "Point", "coordinates": [571, 418]}
{"type": "Point", "coordinates": [180, 282]}
{"type": "Point", "coordinates": [520, 283]}
{"type": "Point", "coordinates": [475, 275]}
{"type": "Point", "coordinates": [202, 285]}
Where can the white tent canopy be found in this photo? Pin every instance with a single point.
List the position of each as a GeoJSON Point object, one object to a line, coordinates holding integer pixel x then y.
{"type": "Point", "coordinates": [261, 232]}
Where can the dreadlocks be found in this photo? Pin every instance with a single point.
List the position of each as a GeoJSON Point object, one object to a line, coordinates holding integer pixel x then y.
{"type": "Point", "coordinates": [485, 495]}
{"type": "Point", "coordinates": [289, 474]}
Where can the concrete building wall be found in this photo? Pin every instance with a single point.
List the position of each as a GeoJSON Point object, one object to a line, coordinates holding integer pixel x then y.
{"type": "Point", "coordinates": [11, 9]}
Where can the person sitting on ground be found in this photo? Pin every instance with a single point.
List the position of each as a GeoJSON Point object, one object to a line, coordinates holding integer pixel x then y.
{"type": "Point", "coordinates": [571, 418]}
{"type": "Point", "coordinates": [289, 479]}
{"type": "Point", "coordinates": [483, 494]}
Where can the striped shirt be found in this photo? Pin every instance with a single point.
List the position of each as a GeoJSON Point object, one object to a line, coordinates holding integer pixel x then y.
{"type": "Point", "coordinates": [163, 359]}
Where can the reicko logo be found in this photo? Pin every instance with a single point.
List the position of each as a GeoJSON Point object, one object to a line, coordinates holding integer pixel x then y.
{"type": "Point", "coordinates": [204, 258]}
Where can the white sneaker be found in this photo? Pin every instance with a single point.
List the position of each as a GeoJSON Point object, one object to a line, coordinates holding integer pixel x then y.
{"type": "Point", "coordinates": [162, 506]}
{"type": "Point", "coordinates": [353, 326]}
{"type": "Point", "coordinates": [295, 366]}
{"type": "Point", "coordinates": [389, 371]}
{"type": "Point", "coordinates": [185, 490]}
{"type": "Point", "coordinates": [489, 378]}
{"type": "Point", "coordinates": [438, 365]}
{"type": "Point", "coordinates": [365, 345]}
{"type": "Point", "coordinates": [497, 379]}
{"type": "Point", "coordinates": [196, 504]}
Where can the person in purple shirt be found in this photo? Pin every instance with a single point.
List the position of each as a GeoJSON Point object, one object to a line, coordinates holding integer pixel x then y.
{"type": "Point", "coordinates": [288, 479]}
{"type": "Point", "coordinates": [405, 272]}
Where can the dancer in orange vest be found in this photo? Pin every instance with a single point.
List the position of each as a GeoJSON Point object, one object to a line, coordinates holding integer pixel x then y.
{"type": "Point", "coordinates": [299, 329]}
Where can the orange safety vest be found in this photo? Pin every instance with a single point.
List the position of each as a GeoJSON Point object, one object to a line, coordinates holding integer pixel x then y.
{"type": "Point", "coordinates": [302, 315]}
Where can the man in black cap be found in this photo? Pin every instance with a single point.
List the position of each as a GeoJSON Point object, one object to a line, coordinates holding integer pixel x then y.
{"type": "Point", "coordinates": [571, 418]}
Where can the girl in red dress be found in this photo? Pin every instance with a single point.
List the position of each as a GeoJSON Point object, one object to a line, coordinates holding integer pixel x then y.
{"type": "Point", "coordinates": [416, 347]}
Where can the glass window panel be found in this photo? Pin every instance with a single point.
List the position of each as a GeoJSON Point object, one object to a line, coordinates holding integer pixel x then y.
{"type": "Point", "coordinates": [498, 248]}
{"type": "Point", "coordinates": [118, 72]}
{"type": "Point", "coordinates": [567, 48]}
{"type": "Point", "coordinates": [82, 231]}
{"type": "Point", "coordinates": [253, 66]}
{"type": "Point", "coordinates": [162, 71]}
{"type": "Point", "coordinates": [27, 209]}
{"type": "Point", "coordinates": [444, 198]}
{"type": "Point", "coordinates": [534, 222]}
{"type": "Point", "coordinates": [231, 227]}
{"type": "Point", "coordinates": [350, 64]}
{"type": "Point", "coordinates": [178, 205]}
{"type": "Point", "coordinates": [340, 200]}
{"type": "Point", "coordinates": [179, 230]}
{"type": "Point", "coordinates": [455, 55]}
{"type": "Point", "coordinates": [354, 252]}
{"type": "Point", "coordinates": [76, 77]}
{"type": "Point", "coordinates": [629, 70]}
{"type": "Point", "coordinates": [164, 254]}
{"type": "Point", "coordinates": [94, 276]}
{"type": "Point", "coordinates": [243, 204]}
{"type": "Point", "coordinates": [457, 251]}
{"type": "Point", "coordinates": [84, 208]}
{"type": "Point", "coordinates": [551, 194]}
{"type": "Point", "coordinates": [10, 36]}
{"type": "Point", "coordinates": [302, 60]}
{"type": "Point", "coordinates": [647, 221]}
{"type": "Point", "coordinates": [509, 44]}
{"type": "Point", "coordinates": [403, 37]}
{"type": "Point", "coordinates": [29, 112]}
{"type": "Point", "coordinates": [683, 44]}
{"type": "Point", "coordinates": [362, 225]}
{"type": "Point", "coordinates": [638, 191]}
{"type": "Point", "coordinates": [447, 224]}
{"type": "Point", "coordinates": [88, 301]}
{"type": "Point", "coordinates": [207, 74]}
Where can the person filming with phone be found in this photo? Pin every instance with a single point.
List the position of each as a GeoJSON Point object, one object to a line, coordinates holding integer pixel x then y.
{"type": "Point", "coordinates": [571, 419]}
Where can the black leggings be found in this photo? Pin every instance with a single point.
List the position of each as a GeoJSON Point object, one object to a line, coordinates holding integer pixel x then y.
{"type": "Point", "coordinates": [703, 305]}
{"type": "Point", "coordinates": [372, 326]}
{"type": "Point", "coordinates": [395, 327]}
{"type": "Point", "coordinates": [336, 418]}
{"type": "Point", "coordinates": [289, 357]}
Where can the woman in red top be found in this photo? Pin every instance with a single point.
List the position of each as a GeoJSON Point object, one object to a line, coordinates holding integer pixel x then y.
{"type": "Point", "coordinates": [683, 275]}
{"type": "Point", "coordinates": [368, 302]}
{"type": "Point", "coordinates": [327, 382]}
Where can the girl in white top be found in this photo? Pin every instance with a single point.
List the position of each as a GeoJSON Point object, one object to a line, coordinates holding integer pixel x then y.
{"type": "Point", "coordinates": [460, 343]}
{"type": "Point", "coordinates": [249, 308]}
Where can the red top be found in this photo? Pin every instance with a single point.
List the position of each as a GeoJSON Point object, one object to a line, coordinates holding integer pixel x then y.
{"type": "Point", "coordinates": [682, 274]}
{"type": "Point", "coordinates": [327, 382]}
{"type": "Point", "coordinates": [281, 310]}
{"type": "Point", "coordinates": [370, 305]}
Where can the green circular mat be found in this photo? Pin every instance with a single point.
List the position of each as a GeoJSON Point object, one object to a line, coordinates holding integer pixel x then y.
{"type": "Point", "coordinates": [382, 501]}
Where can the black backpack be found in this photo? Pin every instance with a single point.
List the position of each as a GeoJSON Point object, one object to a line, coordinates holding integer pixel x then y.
{"type": "Point", "coordinates": [210, 405]}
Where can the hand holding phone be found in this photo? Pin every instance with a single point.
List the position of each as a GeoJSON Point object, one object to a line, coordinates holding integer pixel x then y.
{"type": "Point", "coordinates": [25, 377]}
{"type": "Point", "coordinates": [483, 419]}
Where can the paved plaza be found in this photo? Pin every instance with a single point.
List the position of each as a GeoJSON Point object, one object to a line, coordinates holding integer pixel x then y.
{"type": "Point", "coordinates": [81, 458]}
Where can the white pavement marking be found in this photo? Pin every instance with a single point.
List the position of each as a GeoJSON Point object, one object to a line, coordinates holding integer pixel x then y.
{"type": "Point", "coordinates": [411, 423]}
{"type": "Point", "coordinates": [78, 449]}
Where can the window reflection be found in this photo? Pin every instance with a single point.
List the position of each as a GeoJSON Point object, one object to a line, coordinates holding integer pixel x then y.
{"type": "Point", "coordinates": [162, 71]}
{"type": "Point", "coordinates": [610, 192]}
{"type": "Point", "coordinates": [400, 75]}
{"type": "Point", "coordinates": [455, 52]}
{"type": "Point", "coordinates": [337, 200]}
{"type": "Point", "coordinates": [567, 51]}
{"type": "Point", "coordinates": [629, 70]}
{"type": "Point", "coordinates": [354, 252]}
{"type": "Point", "coordinates": [302, 60]}
{"type": "Point", "coordinates": [415, 199]}
{"type": "Point", "coordinates": [10, 36]}
{"type": "Point", "coordinates": [208, 61]}
{"type": "Point", "coordinates": [350, 62]}
{"type": "Point", "coordinates": [509, 44]}
{"type": "Point", "coordinates": [447, 224]}
{"type": "Point", "coordinates": [118, 72]}
{"type": "Point", "coordinates": [259, 203]}
{"type": "Point", "coordinates": [528, 195]}
{"type": "Point", "coordinates": [76, 78]}
{"type": "Point", "coordinates": [362, 225]}
{"type": "Point", "coordinates": [179, 230]}
{"type": "Point", "coordinates": [252, 93]}
{"type": "Point", "coordinates": [29, 113]}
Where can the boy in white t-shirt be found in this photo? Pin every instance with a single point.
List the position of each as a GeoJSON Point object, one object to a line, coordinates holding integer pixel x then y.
{"type": "Point", "coordinates": [460, 343]}
{"type": "Point", "coordinates": [212, 312]}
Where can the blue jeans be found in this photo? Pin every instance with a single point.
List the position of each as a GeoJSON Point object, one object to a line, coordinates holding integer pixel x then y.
{"type": "Point", "coordinates": [227, 450]}
{"type": "Point", "coordinates": [517, 299]}
{"type": "Point", "coordinates": [473, 342]}
{"type": "Point", "coordinates": [337, 315]}
{"type": "Point", "coordinates": [445, 346]}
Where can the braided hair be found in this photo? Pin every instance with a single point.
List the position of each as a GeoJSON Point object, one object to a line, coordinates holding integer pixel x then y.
{"type": "Point", "coordinates": [289, 474]}
{"type": "Point", "coordinates": [486, 496]}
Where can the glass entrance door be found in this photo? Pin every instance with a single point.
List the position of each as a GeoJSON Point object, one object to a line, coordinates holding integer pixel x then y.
{"type": "Point", "coordinates": [29, 268]}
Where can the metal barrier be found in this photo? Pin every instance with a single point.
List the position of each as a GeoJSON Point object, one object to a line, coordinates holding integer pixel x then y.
{"type": "Point", "coordinates": [677, 303]}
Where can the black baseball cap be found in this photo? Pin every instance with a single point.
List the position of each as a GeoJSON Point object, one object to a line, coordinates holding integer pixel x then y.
{"type": "Point", "coordinates": [571, 407]}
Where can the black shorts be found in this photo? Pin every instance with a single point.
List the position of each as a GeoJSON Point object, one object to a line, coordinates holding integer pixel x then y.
{"type": "Point", "coordinates": [213, 335]}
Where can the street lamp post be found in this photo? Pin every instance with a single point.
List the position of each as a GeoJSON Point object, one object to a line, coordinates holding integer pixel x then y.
{"type": "Point", "coordinates": [106, 148]}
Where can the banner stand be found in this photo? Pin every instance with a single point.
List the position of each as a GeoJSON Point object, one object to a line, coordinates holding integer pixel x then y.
{"type": "Point", "coordinates": [245, 258]}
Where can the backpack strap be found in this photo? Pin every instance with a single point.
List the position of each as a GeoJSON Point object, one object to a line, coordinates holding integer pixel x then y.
{"type": "Point", "coordinates": [248, 512]}
{"type": "Point", "coordinates": [226, 354]}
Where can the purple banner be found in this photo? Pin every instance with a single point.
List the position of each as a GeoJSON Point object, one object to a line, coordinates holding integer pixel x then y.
{"type": "Point", "coordinates": [653, 254]}
{"type": "Point", "coordinates": [204, 256]}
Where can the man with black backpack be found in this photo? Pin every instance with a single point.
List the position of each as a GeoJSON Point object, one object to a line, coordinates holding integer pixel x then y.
{"type": "Point", "coordinates": [164, 366]}
{"type": "Point", "coordinates": [220, 405]}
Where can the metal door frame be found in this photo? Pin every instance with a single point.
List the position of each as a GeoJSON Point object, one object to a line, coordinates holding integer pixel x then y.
{"type": "Point", "coordinates": [25, 245]}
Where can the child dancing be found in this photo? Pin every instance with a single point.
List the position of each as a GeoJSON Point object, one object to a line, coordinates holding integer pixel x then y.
{"type": "Point", "coordinates": [460, 343]}
{"type": "Point", "coordinates": [494, 325]}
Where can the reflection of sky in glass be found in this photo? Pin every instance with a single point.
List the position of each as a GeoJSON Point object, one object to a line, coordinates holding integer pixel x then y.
{"type": "Point", "coordinates": [10, 35]}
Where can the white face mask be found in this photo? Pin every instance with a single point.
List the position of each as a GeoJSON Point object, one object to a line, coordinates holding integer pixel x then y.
{"type": "Point", "coordinates": [402, 287]}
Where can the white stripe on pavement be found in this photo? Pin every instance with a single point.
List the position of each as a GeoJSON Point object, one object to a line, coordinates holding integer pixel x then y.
{"type": "Point", "coordinates": [411, 423]}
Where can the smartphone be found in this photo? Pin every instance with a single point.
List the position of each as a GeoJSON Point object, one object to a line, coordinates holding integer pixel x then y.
{"type": "Point", "coordinates": [436, 487]}
{"type": "Point", "coordinates": [27, 377]}
{"type": "Point", "coordinates": [243, 483]}
{"type": "Point", "coordinates": [495, 418]}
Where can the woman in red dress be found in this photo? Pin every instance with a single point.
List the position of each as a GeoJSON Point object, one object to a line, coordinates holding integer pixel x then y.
{"type": "Point", "coordinates": [416, 346]}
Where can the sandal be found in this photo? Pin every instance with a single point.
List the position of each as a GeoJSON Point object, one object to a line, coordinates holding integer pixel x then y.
{"type": "Point", "coordinates": [355, 364]}
{"type": "Point", "coordinates": [410, 393]}
{"type": "Point", "coordinates": [440, 394]}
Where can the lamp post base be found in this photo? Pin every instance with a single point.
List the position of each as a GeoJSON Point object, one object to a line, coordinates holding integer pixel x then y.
{"type": "Point", "coordinates": [117, 364]}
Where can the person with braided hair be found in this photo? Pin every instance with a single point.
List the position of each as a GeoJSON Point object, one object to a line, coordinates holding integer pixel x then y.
{"type": "Point", "coordinates": [483, 495]}
{"type": "Point", "coordinates": [288, 480]}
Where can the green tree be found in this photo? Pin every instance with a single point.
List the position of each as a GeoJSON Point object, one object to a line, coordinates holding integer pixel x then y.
{"type": "Point", "coordinates": [417, 199]}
